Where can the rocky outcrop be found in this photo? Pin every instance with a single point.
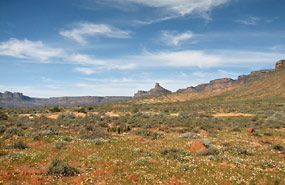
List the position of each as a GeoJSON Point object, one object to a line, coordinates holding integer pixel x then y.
{"type": "Point", "coordinates": [280, 65]}
{"type": "Point", "coordinates": [157, 90]}
{"type": "Point", "coordinates": [15, 95]}
{"type": "Point", "coordinates": [9, 99]}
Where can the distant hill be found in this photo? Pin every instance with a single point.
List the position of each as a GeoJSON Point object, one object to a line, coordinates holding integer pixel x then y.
{"type": "Point", "coordinates": [157, 90]}
{"type": "Point", "coordinates": [9, 99]}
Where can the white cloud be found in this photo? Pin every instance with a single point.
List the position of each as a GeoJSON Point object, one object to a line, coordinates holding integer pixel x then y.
{"type": "Point", "coordinates": [86, 60]}
{"type": "Point", "coordinates": [185, 58]}
{"type": "Point", "coordinates": [27, 49]}
{"type": "Point", "coordinates": [83, 30]}
{"type": "Point", "coordinates": [178, 7]}
{"type": "Point", "coordinates": [252, 20]}
{"type": "Point", "coordinates": [215, 75]}
{"type": "Point", "coordinates": [122, 66]}
{"type": "Point", "coordinates": [171, 38]}
{"type": "Point", "coordinates": [85, 70]}
{"type": "Point", "coordinates": [151, 21]}
{"type": "Point", "coordinates": [249, 21]}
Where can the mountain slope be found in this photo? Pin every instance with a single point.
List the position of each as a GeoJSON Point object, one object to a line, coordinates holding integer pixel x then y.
{"type": "Point", "coordinates": [258, 84]}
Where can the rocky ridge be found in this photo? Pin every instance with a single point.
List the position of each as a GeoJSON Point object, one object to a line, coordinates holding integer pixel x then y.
{"type": "Point", "coordinates": [224, 83]}
{"type": "Point", "coordinates": [157, 90]}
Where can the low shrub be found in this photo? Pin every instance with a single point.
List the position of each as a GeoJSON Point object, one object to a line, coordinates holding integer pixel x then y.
{"type": "Point", "coordinates": [59, 168]}
{"type": "Point", "coordinates": [174, 153]}
{"type": "Point", "coordinates": [13, 131]}
{"type": "Point", "coordinates": [55, 109]}
{"type": "Point", "coordinates": [2, 128]}
{"type": "Point", "coordinates": [18, 145]}
{"type": "Point", "coordinates": [14, 156]}
{"type": "Point", "coordinates": [206, 142]}
{"type": "Point", "coordinates": [143, 161]}
{"type": "Point", "coordinates": [98, 142]}
{"type": "Point", "coordinates": [59, 145]}
{"type": "Point", "coordinates": [189, 135]}
{"type": "Point", "coordinates": [268, 133]}
{"type": "Point", "coordinates": [241, 150]}
{"type": "Point", "coordinates": [236, 129]}
{"type": "Point", "coordinates": [148, 134]}
{"type": "Point", "coordinates": [278, 147]}
{"type": "Point", "coordinates": [3, 116]}
{"type": "Point", "coordinates": [209, 151]}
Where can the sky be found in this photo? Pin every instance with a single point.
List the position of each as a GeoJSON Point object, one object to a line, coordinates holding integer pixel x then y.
{"type": "Point", "coordinates": [51, 48]}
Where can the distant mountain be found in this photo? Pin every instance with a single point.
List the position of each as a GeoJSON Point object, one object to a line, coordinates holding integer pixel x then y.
{"type": "Point", "coordinates": [157, 90]}
{"type": "Point", "coordinates": [9, 99]}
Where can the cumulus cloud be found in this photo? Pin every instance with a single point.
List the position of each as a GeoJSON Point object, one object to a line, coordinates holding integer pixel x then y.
{"type": "Point", "coordinates": [27, 49]}
{"type": "Point", "coordinates": [86, 60]}
{"type": "Point", "coordinates": [172, 38]}
{"type": "Point", "coordinates": [178, 7]}
{"type": "Point", "coordinates": [185, 58]}
{"type": "Point", "coordinates": [83, 30]}
{"type": "Point", "coordinates": [84, 70]}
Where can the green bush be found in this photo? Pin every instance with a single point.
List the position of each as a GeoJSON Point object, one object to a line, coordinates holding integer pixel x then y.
{"type": "Point", "coordinates": [13, 156]}
{"type": "Point", "coordinates": [3, 116]}
{"type": "Point", "coordinates": [241, 150]}
{"type": "Point", "coordinates": [189, 135]}
{"type": "Point", "coordinates": [278, 147]}
{"type": "Point", "coordinates": [148, 134]}
{"type": "Point", "coordinates": [13, 131]}
{"type": "Point", "coordinates": [54, 109]}
{"type": "Point", "coordinates": [2, 128]}
{"type": "Point", "coordinates": [173, 153]}
{"type": "Point", "coordinates": [20, 145]}
{"type": "Point", "coordinates": [209, 151]}
{"type": "Point", "coordinates": [82, 110]}
{"type": "Point", "coordinates": [59, 168]}
{"type": "Point", "coordinates": [59, 145]}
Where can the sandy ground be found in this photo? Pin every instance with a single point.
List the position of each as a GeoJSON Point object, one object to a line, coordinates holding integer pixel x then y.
{"type": "Point", "coordinates": [232, 114]}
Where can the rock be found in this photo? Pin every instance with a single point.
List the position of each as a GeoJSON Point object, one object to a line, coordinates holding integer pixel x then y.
{"type": "Point", "coordinates": [250, 129]}
{"type": "Point", "coordinates": [157, 90]}
{"type": "Point", "coordinates": [197, 146]}
{"type": "Point", "coordinates": [280, 64]}
{"type": "Point", "coordinates": [260, 72]}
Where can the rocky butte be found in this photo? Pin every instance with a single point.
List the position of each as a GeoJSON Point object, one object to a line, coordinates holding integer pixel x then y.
{"type": "Point", "coordinates": [157, 90]}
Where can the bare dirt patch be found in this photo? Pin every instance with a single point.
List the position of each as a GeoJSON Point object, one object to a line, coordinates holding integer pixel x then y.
{"type": "Point", "coordinates": [232, 114]}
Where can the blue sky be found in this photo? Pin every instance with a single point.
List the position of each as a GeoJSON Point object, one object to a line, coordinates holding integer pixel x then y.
{"type": "Point", "coordinates": [115, 47]}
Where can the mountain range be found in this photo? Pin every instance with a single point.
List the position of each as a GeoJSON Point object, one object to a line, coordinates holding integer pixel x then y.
{"type": "Point", "coordinates": [257, 83]}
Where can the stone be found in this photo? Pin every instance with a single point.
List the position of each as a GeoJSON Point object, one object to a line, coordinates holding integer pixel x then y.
{"type": "Point", "coordinates": [197, 146]}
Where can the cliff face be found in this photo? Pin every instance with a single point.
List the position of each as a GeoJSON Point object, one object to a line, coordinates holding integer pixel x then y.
{"type": "Point", "coordinates": [157, 90]}
{"type": "Point", "coordinates": [280, 64]}
{"type": "Point", "coordinates": [224, 83]}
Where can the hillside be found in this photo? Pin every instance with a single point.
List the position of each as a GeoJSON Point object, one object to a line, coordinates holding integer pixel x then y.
{"type": "Point", "coordinates": [263, 83]}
